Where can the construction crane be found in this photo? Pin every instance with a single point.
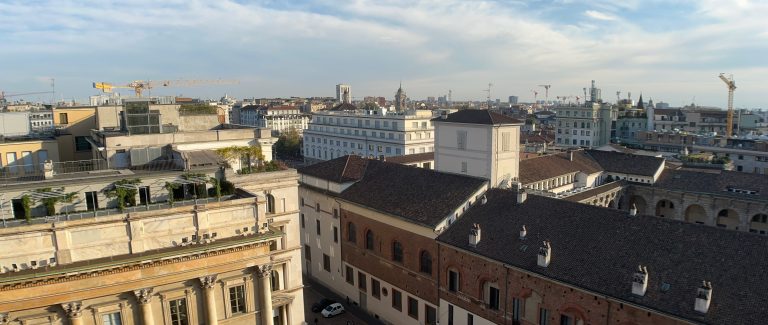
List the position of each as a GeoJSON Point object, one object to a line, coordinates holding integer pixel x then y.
{"type": "Point", "coordinates": [488, 98]}
{"type": "Point", "coordinates": [3, 95]}
{"type": "Point", "coordinates": [546, 93]}
{"type": "Point", "coordinates": [731, 87]}
{"type": "Point", "coordinates": [139, 86]}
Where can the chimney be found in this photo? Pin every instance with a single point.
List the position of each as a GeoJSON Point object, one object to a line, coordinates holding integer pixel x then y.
{"type": "Point", "coordinates": [633, 210]}
{"type": "Point", "coordinates": [474, 235]}
{"type": "Point", "coordinates": [523, 232]}
{"type": "Point", "coordinates": [545, 254]}
{"type": "Point", "coordinates": [570, 155]}
{"type": "Point", "coordinates": [640, 281]}
{"type": "Point", "coordinates": [521, 195]}
{"type": "Point", "coordinates": [703, 297]}
{"type": "Point", "coordinates": [484, 199]}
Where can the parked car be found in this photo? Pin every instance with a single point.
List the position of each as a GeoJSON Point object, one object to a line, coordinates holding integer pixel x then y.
{"type": "Point", "coordinates": [320, 305]}
{"type": "Point", "coordinates": [333, 310]}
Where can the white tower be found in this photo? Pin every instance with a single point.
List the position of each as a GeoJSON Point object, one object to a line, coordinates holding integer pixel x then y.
{"type": "Point", "coordinates": [344, 93]}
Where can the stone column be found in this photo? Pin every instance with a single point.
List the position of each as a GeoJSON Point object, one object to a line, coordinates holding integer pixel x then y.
{"type": "Point", "coordinates": [207, 282]}
{"type": "Point", "coordinates": [265, 293]}
{"type": "Point", "coordinates": [144, 297]}
{"type": "Point", "coordinates": [74, 310]}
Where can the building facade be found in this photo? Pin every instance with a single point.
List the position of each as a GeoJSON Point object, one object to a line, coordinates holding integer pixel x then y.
{"type": "Point", "coordinates": [279, 119]}
{"type": "Point", "coordinates": [586, 125]}
{"type": "Point", "coordinates": [374, 134]}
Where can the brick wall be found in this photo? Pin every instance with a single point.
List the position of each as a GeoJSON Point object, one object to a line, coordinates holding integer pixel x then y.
{"type": "Point", "coordinates": [378, 262]}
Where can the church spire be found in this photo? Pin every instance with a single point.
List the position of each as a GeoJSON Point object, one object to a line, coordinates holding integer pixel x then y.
{"type": "Point", "coordinates": [640, 104]}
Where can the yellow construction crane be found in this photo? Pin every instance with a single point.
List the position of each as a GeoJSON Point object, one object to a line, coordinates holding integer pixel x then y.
{"type": "Point", "coordinates": [731, 87]}
{"type": "Point", "coordinates": [139, 86]}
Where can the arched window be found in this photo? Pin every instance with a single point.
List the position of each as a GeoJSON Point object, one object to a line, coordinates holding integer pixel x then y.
{"type": "Point", "coordinates": [275, 280]}
{"type": "Point", "coordinates": [270, 203]}
{"type": "Point", "coordinates": [397, 252]}
{"type": "Point", "coordinates": [491, 295]}
{"type": "Point", "coordinates": [369, 240]}
{"type": "Point", "coordinates": [425, 262]}
{"type": "Point", "coordinates": [762, 218]}
{"type": "Point", "coordinates": [351, 233]}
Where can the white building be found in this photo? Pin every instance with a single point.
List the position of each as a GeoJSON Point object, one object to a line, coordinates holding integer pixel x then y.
{"type": "Point", "coordinates": [374, 134]}
{"type": "Point", "coordinates": [343, 94]}
{"type": "Point", "coordinates": [278, 118]}
{"type": "Point", "coordinates": [478, 143]}
{"type": "Point", "coordinates": [586, 125]}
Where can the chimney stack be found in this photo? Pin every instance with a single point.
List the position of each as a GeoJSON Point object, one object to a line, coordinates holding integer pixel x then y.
{"type": "Point", "coordinates": [484, 199]}
{"type": "Point", "coordinates": [474, 235]}
{"type": "Point", "coordinates": [703, 297]}
{"type": "Point", "coordinates": [633, 210]}
{"type": "Point", "coordinates": [570, 155]}
{"type": "Point", "coordinates": [640, 281]}
{"type": "Point", "coordinates": [545, 254]}
{"type": "Point", "coordinates": [521, 195]}
{"type": "Point", "coordinates": [523, 232]}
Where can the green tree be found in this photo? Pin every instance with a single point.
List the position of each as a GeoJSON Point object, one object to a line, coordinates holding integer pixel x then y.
{"type": "Point", "coordinates": [170, 187]}
{"type": "Point", "coordinates": [246, 154]}
{"type": "Point", "coordinates": [123, 194]}
{"type": "Point", "coordinates": [369, 106]}
{"type": "Point", "coordinates": [289, 144]}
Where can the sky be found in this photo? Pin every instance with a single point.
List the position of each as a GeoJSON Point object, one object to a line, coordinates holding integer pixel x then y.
{"type": "Point", "coordinates": [669, 51]}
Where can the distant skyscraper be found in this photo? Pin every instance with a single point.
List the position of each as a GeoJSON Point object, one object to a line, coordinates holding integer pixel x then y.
{"type": "Point", "coordinates": [344, 93]}
{"type": "Point", "coordinates": [400, 97]}
{"type": "Point", "coordinates": [513, 100]}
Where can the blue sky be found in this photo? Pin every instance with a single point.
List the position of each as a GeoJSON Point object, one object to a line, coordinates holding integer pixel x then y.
{"type": "Point", "coordinates": [669, 51]}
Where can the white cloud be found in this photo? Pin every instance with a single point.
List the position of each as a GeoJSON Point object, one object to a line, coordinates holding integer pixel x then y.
{"type": "Point", "coordinates": [599, 15]}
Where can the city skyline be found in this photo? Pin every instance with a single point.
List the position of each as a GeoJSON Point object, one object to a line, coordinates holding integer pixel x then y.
{"type": "Point", "coordinates": [670, 53]}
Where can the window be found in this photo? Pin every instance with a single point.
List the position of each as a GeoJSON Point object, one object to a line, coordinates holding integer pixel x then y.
{"type": "Point", "coordinates": [335, 234]}
{"type": "Point", "coordinates": [350, 275]}
{"type": "Point", "coordinates": [351, 233]}
{"type": "Point", "coordinates": [543, 316]}
{"type": "Point", "coordinates": [275, 280]}
{"type": "Point", "coordinates": [111, 319]}
{"type": "Point", "coordinates": [493, 297]}
{"type": "Point", "coordinates": [362, 283]}
{"type": "Point", "coordinates": [461, 139]}
{"type": "Point", "coordinates": [63, 118]}
{"type": "Point", "coordinates": [453, 281]}
{"type": "Point", "coordinates": [430, 315]}
{"type": "Point", "coordinates": [326, 262]}
{"type": "Point", "coordinates": [413, 307]}
{"type": "Point", "coordinates": [397, 252]}
{"type": "Point", "coordinates": [470, 319]}
{"type": "Point", "coordinates": [505, 141]}
{"type": "Point", "coordinates": [237, 299]}
{"type": "Point", "coordinates": [178, 311]}
{"type": "Point", "coordinates": [566, 320]}
{"type": "Point", "coordinates": [302, 201]}
{"type": "Point", "coordinates": [82, 144]}
{"type": "Point", "coordinates": [270, 203]}
{"type": "Point", "coordinates": [317, 207]}
{"type": "Point", "coordinates": [369, 240]}
{"type": "Point", "coordinates": [303, 222]}
{"type": "Point", "coordinates": [397, 300]}
{"type": "Point", "coordinates": [307, 253]}
{"type": "Point", "coordinates": [375, 288]}
{"type": "Point", "coordinates": [317, 227]}
{"type": "Point", "coordinates": [425, 262]}
{"type": "Point", "coordinates": [515, 309]}
{"type": "Point", "coordinates": [335, 213]}
{"type": "Point", "coordinates": [450, 314]}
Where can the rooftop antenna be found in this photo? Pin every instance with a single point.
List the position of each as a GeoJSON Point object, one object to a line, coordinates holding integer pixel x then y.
{"type": "Point", "coordinates": [53, 91]}
{"type": "Point", "coordinates": [618, 96]}
{"type": "Point", "coordinates": [488, 98]}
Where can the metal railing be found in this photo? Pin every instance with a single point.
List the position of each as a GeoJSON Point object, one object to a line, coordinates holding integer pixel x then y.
{"type": "Point", "coordinates": [66, 216]}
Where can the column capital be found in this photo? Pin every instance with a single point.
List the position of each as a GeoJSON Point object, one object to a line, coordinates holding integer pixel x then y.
{"type": "Point", "coordinates": [4, 318]}
{"type": "Point", "coordinates": [143, 296]}
{"type": "Point", "coordinates": [73, 309]}
{"type": "Point", "coordinates": [208, 281]}
{"type": "Point", "coordinates": [264, 271]}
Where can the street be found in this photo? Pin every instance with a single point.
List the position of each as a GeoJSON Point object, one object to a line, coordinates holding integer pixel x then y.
{"type": "Point", "coordinates": [313, 292]}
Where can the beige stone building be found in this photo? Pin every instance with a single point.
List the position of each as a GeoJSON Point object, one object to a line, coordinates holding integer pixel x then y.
{"type": "Point", "coordinates": [232, 259]}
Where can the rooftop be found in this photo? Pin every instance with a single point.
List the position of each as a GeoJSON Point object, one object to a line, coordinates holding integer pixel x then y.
{"type": "Point", "coordinates": [549, 166]}
{"type": "Point", "coordinates": [477, 116]}
{"type": "Point", "coordinates": [619, 162]}
{"type": "Point", "coordinates": [721, 183]}
{"type": "Point", "coordinates": [598, 249]}
{"type": "Point", "coordinates": [414, 158]}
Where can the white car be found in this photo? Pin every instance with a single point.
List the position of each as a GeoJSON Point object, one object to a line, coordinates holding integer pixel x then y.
{"type": "Point", "coordinates": [332, 310]}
